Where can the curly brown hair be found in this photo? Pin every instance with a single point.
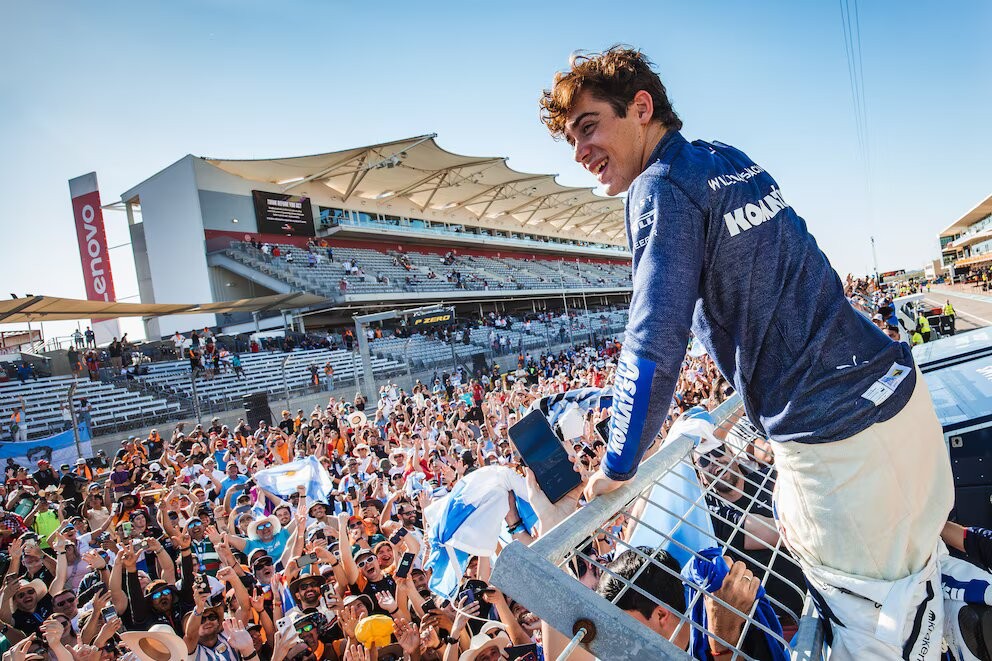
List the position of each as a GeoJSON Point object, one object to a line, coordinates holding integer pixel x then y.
{"type": "Point", "coordinates": [614, 76]}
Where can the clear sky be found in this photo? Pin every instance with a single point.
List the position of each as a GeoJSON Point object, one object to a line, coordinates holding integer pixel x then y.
{"type": "Point", "coordinates": [127, 88]}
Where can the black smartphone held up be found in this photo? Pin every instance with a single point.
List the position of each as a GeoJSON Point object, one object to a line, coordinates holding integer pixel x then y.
{"type": "Point", "coordinates": [108, 612]}
{"type": "Point", "coordinates": [522, 652]}
{"type": "Point", "coordinates": [603, 429]}
{"type": "Point", "coordinates": [428, 606]}
{"type": "Point", "coordinates": [398, 535]}
{"type": "Point", "coordinates": [406, 563]}
{"type": "Point", "coordinates": [543, 453]}
{"type": "Point", "coordinates": [468, 594]}
{"type": "Point", "coordinates": [352, 493]}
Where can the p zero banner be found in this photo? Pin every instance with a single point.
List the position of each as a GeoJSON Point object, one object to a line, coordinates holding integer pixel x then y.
{"type": "Point", "coordinates": [93, 254]}
{"type": "Point", "coordinates": [276, 213]}
{"type": "Point", "coordinates": [433, 318]}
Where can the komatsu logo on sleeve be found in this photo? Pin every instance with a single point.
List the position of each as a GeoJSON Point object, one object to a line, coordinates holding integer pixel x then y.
{"type": "Point", "coordinates": [631, 390]}
{"type": "Point", "coordinates": [754, 213]}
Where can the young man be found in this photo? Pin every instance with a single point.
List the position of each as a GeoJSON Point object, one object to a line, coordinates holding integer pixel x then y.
{"type": "Point", "coordinates": [717, 249]}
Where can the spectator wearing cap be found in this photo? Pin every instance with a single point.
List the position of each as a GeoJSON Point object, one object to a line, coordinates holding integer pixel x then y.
{"type": "Point", "coordinates": [307, 626]}
{"type": "Point", "coordinates": [11, 527]}
{"type": "Point", "coordinates": [70, 484]}
{"type": "Point", "coordinates": [83, 471]}
{"type": "Point", "coordinates": [45, 476]}
{"type": "Point", "coordinates": [42, 519]}
{"type": "Point", "coordinates": [233, 479]}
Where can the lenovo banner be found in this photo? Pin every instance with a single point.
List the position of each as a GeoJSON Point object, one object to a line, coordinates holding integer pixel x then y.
{"type": "Point", "coordinates": [97, 277]}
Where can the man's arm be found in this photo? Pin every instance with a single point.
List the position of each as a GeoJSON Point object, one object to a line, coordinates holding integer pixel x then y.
{"type": "Point", "coordinates": [344, 546]}
{"type": "Point", "coordinates": [668, 263]}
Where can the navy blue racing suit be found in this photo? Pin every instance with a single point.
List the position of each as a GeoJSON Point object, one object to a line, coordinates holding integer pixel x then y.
{"type": "Point", "coordinates": [718, 249]}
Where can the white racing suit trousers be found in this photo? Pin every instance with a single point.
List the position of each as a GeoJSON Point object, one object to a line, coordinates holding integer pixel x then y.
{"type": "Point", "coordinates": [863, 517]}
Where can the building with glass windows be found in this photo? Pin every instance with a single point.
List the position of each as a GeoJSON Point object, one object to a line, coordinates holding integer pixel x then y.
{"type": "Point", "coordinates": [966, 244]}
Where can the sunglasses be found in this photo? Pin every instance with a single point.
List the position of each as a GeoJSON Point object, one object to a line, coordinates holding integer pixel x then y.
{"type": "Point", "coordinates": [195, 523]}
{"type": "Point", "coordinates": [356, 526]}
{"type": "Point", "coordinates": [64, 602]}
{"type": "Point", "coordinates": [262, 564]}
{"type": "Point", "coordinates": [264, 526]}
{"type": "Point", "coordinates": [366, 561]}
{"type": "Point", "coordinates": [305, 628]}
{"type": "Point", "coordinates": [705, 460]}
{"type": "Point", "coordinates": [211, 616]}
{"type": "Point", "coordinates": [165, 592]}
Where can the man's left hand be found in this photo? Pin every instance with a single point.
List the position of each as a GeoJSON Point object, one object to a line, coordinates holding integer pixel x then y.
{"type": "Point", "coordinates": [599, 484]}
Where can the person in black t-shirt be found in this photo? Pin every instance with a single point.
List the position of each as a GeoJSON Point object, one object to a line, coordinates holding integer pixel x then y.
{"type": "Point", "coordinates": [739, 489]}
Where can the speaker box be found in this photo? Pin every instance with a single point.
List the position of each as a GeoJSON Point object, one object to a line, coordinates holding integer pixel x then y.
{"type": "Point", "coordinates": [257, 408]}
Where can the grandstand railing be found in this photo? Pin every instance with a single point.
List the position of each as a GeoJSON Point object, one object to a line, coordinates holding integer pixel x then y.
{"type": "Point", "coordinates": [538, 575]}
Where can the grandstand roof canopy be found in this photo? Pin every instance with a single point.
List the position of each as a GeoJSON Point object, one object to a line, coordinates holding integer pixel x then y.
{"type": "Point", "coordinates": [981, 210]}
{"type": "Point", "coordinates": [430, 177]}
{"type": "Point", "coordinates": [50, 308]}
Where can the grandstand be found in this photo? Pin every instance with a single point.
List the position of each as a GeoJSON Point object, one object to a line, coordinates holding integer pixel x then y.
{"type": "Point", "coordinates": [114, 406]}
{"type": "Point", "coordinates": [386, 226]}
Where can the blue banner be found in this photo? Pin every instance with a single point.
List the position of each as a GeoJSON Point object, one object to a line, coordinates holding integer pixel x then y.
{"type": "Point", "coordinates": [57, 450]}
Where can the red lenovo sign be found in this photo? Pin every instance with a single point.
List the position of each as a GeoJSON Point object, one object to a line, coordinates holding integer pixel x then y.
{"type": "Point", "coordinates": [92, 238]}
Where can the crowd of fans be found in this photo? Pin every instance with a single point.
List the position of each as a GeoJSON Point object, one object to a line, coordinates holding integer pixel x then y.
{"type": "Point", "coordinates": [179, 550]}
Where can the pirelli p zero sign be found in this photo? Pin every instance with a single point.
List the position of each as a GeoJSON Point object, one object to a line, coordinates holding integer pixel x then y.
{"type": "Point", "coordinates": [433, 318]}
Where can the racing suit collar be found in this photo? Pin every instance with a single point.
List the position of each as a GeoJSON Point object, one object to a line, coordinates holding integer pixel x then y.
{"type": "Point", "coordinates": [668, 142]}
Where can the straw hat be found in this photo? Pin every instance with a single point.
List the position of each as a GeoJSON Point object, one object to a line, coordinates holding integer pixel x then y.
{"type": "Point", "coordinates": [253, 526]}
{"type": "Point", "coordinates": [357, 419]}
{"type": "Point", "coordinates": [159, 643]}
{"type": "Point", "coordinates": [482, 642]}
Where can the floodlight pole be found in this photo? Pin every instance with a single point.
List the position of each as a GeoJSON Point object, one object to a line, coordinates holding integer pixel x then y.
{"type": "Point", "coordinates": [72, 412]}
{"type": "Point", "coordinates": [196, 397]}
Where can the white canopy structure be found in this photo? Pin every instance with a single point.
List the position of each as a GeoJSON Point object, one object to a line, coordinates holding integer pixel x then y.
{"type": "Point", "coordinates": [420, 171]}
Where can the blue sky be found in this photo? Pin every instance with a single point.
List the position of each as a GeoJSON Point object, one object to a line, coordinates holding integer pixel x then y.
{"type": "Point", "coordinates": [127, 88]}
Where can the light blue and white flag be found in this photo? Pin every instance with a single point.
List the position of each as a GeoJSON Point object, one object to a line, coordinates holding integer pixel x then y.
{"type": "Point", "coordinates": [468, 521]}
{"type": "Point", "coordinates": [555, 407]}
{"type": "Point", "coordinates": [675, 517]}
{"type": "Point", "coordinates": [282, 480]}
{"type": "Point", "coordinates": [57, 450]}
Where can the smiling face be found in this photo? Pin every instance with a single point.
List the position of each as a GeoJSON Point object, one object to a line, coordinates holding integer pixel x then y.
{"type": "Point", "coordinates": [610, 147]}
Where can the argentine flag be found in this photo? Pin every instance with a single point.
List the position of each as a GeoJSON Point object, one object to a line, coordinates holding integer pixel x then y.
{"type": "Point", "coordinates": [282, 480]}
{"type": "Point", "coordinates": [468, 522]}
{"type": "Point", "coordinates": [675, 517]}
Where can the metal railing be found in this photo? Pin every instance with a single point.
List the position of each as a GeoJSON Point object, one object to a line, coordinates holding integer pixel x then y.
{"type": "Point", "coordinates": [656, 501]}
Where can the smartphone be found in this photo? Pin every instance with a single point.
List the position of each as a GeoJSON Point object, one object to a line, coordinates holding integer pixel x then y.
{"type": "Point", "coordinates": [320, 534]}
{"type": "Point", "coordinates": [141, 545]}
{"type": "Point", "coordinates": [603, 429]}
{"type": "Point", "coordinates": [306, 559]}
{"type": "Point", "coordinates": [201, 584]}
{"type": "Point", "coordinates": [428, 605]}
{"type": "Point", "coordinates": [126, 528]}
{"type": "Point", "coordinates": [330, 596]}
{"type": "Point", "coordinates": [587, 451]}
{"type": "Point", "coordinates": [352, 493]}
{"type": "Point", "coordinates": [522, 652]}
{"type": "Point", "coordinates": [108, 612]}
{"type": "Point", "coordinates": [398, 535]}
{"type": "Point", "coordinates": [542, 452]}
{"type": "Point", "coordinates": [468, 594]}
{"type": "Point", "coordinates": [406, 563]}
